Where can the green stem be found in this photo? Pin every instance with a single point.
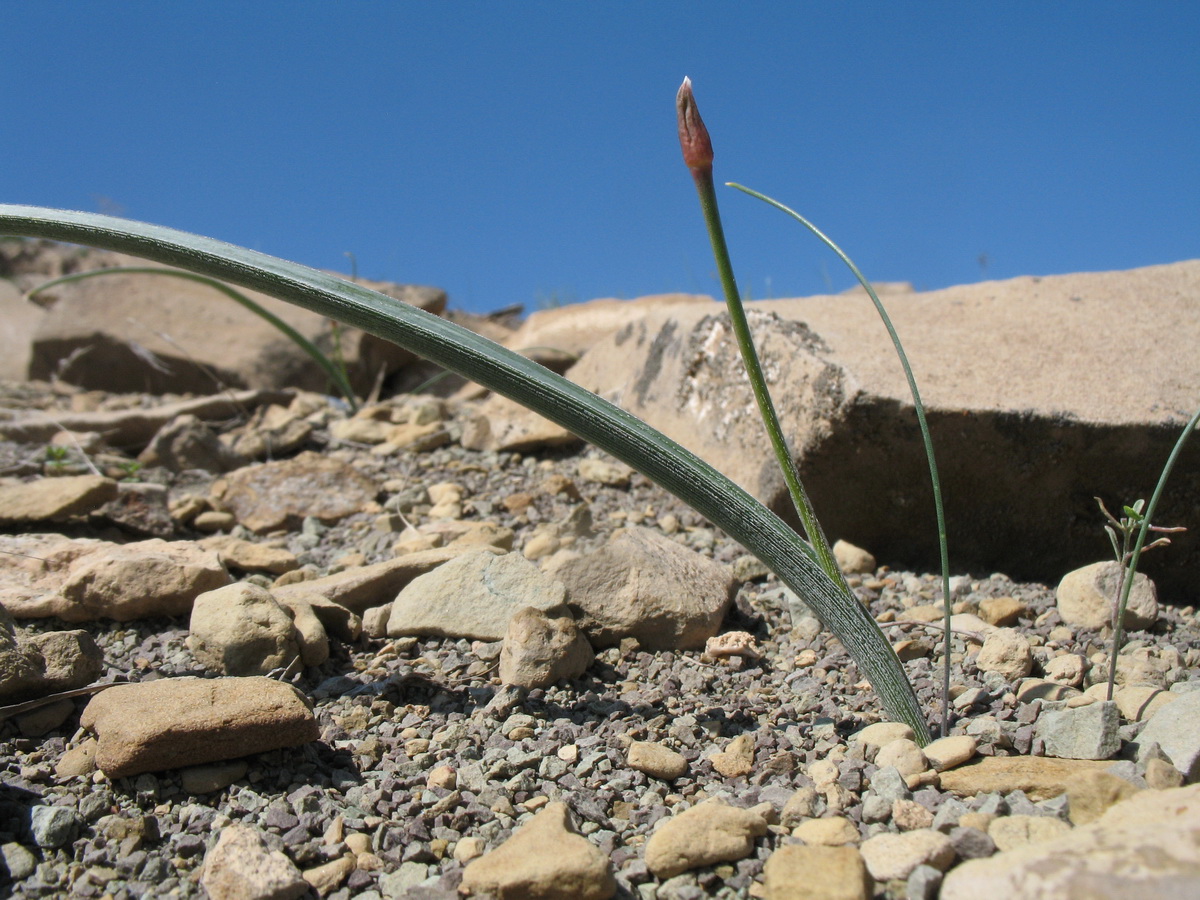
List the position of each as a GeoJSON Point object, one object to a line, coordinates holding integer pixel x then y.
{"type": "Point", "coordinates": [758, 383]}
{"type": "Point", "coordinates": [1135, 557]}
{"type": "Point", "coordinates": [925, 436]}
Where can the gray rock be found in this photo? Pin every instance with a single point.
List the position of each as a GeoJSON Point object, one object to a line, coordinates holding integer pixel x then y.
{"type": "Point", "coordinates": [1085, 732]}
{"type": "Point", "coordinates": [924, 882]}
{"type": "Point", "coordinates": [240, 866]}
{"type": "Point", "coordinates": [188, 443]}
{"type": "Point", "coordinates": [53, 826]}
{"type": "Point", "coordinates": [1176, 730]}
{"type": "Point", "coordinates": [473, 596]}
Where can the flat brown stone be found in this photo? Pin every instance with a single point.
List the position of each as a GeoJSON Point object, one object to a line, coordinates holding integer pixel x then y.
{"type": "Point", "coordinates": [1040, 777]}
{"type": "Point", "coordinates": [54, 498]}
{"type": "Point", "coordinates": [176, 722]}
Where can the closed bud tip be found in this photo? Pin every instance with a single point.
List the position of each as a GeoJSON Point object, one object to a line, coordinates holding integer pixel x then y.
{"type": "Point", "coordinates": [693, 136]}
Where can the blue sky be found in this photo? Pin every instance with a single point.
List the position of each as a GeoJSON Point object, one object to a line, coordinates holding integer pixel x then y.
{"type": "Point", "coordinates": [519, 152]}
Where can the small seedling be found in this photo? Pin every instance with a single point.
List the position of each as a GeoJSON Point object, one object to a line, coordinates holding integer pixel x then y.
{"type": "Point", "coordinates": [57, 457]}
{"type": "Point", "coordinates": [1131, 529]}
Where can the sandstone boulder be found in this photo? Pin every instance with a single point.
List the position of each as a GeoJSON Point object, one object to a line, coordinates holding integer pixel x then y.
{"type": "Point", "coordinates": [1017, 378]}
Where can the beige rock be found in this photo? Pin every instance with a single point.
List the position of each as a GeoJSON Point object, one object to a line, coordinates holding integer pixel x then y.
{"type": "Point", "coordinates": [908, 815]}
{"type": "Point", "coordinates": [242, 630]}
{"type": "Point", "coordinates": [240, 866]}
{"type": "Point", "coordinates": [545, 858]}
{"type": "Point", "coordinates": [890, 856]}
{"type": "Point", "coordinates": [325, 879]}
{"type": "Point", "coordinates": [1040, 777]}
{"type": "Point", "coordinates": [604, 471]}
{"type": "Point", "coordinates": [175, 722]}
{"type": "Point", "coordinates": [210, 777]}
{"type": "Point", "coordinates": [53, 499]}
{"type": "Point", "coordinates": [833, 831]}
{"type": "Point", "coordinates": [272, 431]}
{"type": "Point", "coordinates": [644, 585]}
{"type": "Point", "coordinates": [837, 386]}
{"type": "Point", "coordinates": [364, 587]}
{"type": "Point", "coordinates": [308, 630]}
{"type": "Point", "coordinates": [656, 760]}
{"type": "Point", "coordinates": [1067, 669]}
{"type": "Point", "coordinates": [1007, 653]}
{"type": "Point", "coordinates": [1010, 832]}
{"type": "Point", "coordinates": [1085, 598]}
{"type": "Point", "coordinates": [473, 596]}
{"type": "Point", "coordinates": [135, 427]}
{"type": "Point", "coordinates": [1031, 689]}
{"type": "Point", "coordinates": [419, 438]}
{"type": "Point", "coordinates": [1145, 846]}
{"type": "Point", "coordinates": [853, 560]}
{"type": "Point", "coordinates": [904, 754]}
{"type": "Point", "coordinates": [335, 619]}
{"type": "Point", "coordinates": [274, 495]}
{"type": "Point", "coordinates": [737, 759]}
{"type": "Point", "coordinates": [78, 761]}
{"type": "Point", "coordinates": [817, 873]}
{"type": "Point", "coordinates": [540, 649]}
{"type": "Point", "coordinates": [803, 804]}
{"type": "Point", "coordinates": [1090, 794]}
{"type": "Point", "coordinates": [502, 424]}
{"type": "Point", "coordinates": [1001, 611]}
{"type": "Point", "coordinates": [1141, 701]}
{"type": "Point", "coordinates": [186, 442]}
{"type": "Point", "coordinates": [949, 752]}
{"type": "Point", "coordinates": [80, 581]}
{"type": "Point", "coordinates": [172, 335]}
{"type": "Point", "coordinates": [708, 833]}
{"type": "Point", "coordinates": [881, 733]}
{"type": "Point", "coordinates": [251, 557]}
{"type": "Point", "coordinates": [732, 643]}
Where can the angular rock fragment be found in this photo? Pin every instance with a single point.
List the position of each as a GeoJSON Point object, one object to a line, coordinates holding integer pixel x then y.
{"type": "Point", "coordinates": [241, 866]}
{"type": "Point", "coordinates": [53, 499]}
{"type": "Point", "coordinates": [709, 833]}
{"type": "Point", "coordinates": [241, 629]}
{"type": "Point", "coordinates": [540, 649]}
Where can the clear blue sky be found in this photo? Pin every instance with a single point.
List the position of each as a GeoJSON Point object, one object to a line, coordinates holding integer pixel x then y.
{"type": "Point", "coordinates": [517, 152]}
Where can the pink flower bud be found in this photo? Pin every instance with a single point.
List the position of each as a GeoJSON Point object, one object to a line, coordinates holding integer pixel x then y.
{"type": "Point", "coordinates": [693, 136]}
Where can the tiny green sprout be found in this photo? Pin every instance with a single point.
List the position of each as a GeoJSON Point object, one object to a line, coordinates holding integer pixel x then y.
{"type": "Point", "coordinates": [56, 456]}
{"type": "Point", "coordinates": [1126, 534]}
{"type": "Point", "coordinates": [131, 470]}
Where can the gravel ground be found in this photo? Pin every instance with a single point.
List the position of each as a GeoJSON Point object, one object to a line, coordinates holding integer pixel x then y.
{"type": "Point", "coordinates": [392, 710]}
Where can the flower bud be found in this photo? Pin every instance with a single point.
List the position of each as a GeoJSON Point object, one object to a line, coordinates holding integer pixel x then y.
{"type": "Point", "coordinates": [693, 136]}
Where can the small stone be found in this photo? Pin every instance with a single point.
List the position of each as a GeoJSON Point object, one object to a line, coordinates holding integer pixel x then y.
{"type": "Point", "coordinates": [326, 879]}
{"type": "Point", "coordinates": [1010, 832]}
{"type": "Point", "coordinates": [53, 499]}
{"type": "Point", "coordinates": [904, 755]}
{"type": "Point", "coordinates": [212, 777]}
{"type": "Point", "coordinates": [18, 861]}
{"type": "Point", "coordinates": [1085, 732]}
{"type": "Point", "coordinates": [53, 826]}
{"type": "Point", "coordinates": [712, 832]}
{"type": "Point", "coordinates": [1085, 598]}
{"type": "Point", "coordinates": [1138, 702]}
{"type": "Point", "coordinates": [1090, 794]}
{"type": "Point", "coordinates": [882, 733]}
{"type": "Point", "coordinates": [443, 777]}
{"type": "Point", "coordinates": [853, 560]}
{"type": "Point", "coordinates": [833, 831]}
{"type": "Point", "coordinates": [240, 866]}
{"type": "Point", "coordinates": [798, 872]}
{"type": "Point", "coordinates": [737, 759]}
{"type": "Point", "coordinates": [1001, 611]}
{"type": "Point", "coordinates": [1176, 730]}
{"type": "Point", "coordinates": [241, 629]}
{"type": "Point", "coordinates": [601, 471]}
{"type": "Point", "coordinates": [1039, 777]}
{"type": "Point", "coordinates": [949, 752]}
{"type": "Point", "coordinates": [801, 805]}
{"type": "Point", "coordinates": [732, 643]}
{"type": "Point", "coordinates": [78, 761]}
{"type": "Point", "coordinates": [894, 856]}
{"type": "Point", "coordinates": [545, 858]}
{"type": "Point", "coordinates": [468, 848]}
{"type": "Point", "coordinates": [1007, 653]}
{"type": "Point", "coordinates": [540, 650]}
{"type": "Point", "coordinates": [656, 760]}
{"type": "Point", "coordinates": [908, 815]}
{"type": "Point", "coordinates": [1067, 669]}
{"type": "Point", "coordinates": [1161, 775]}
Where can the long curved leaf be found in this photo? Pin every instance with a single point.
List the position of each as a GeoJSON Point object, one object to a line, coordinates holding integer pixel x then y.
{"type": "Point", "coordinates": [595, 420]}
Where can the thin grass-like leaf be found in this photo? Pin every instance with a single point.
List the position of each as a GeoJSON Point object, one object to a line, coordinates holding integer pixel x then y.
{"type": "Point", "coordinates": [925, 436]}
{"type": "Point", "coordinates": [610, 428]}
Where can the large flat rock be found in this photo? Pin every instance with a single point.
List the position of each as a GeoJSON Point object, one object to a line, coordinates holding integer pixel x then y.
{"type": "Point", "coordinates": [1041, 394]}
